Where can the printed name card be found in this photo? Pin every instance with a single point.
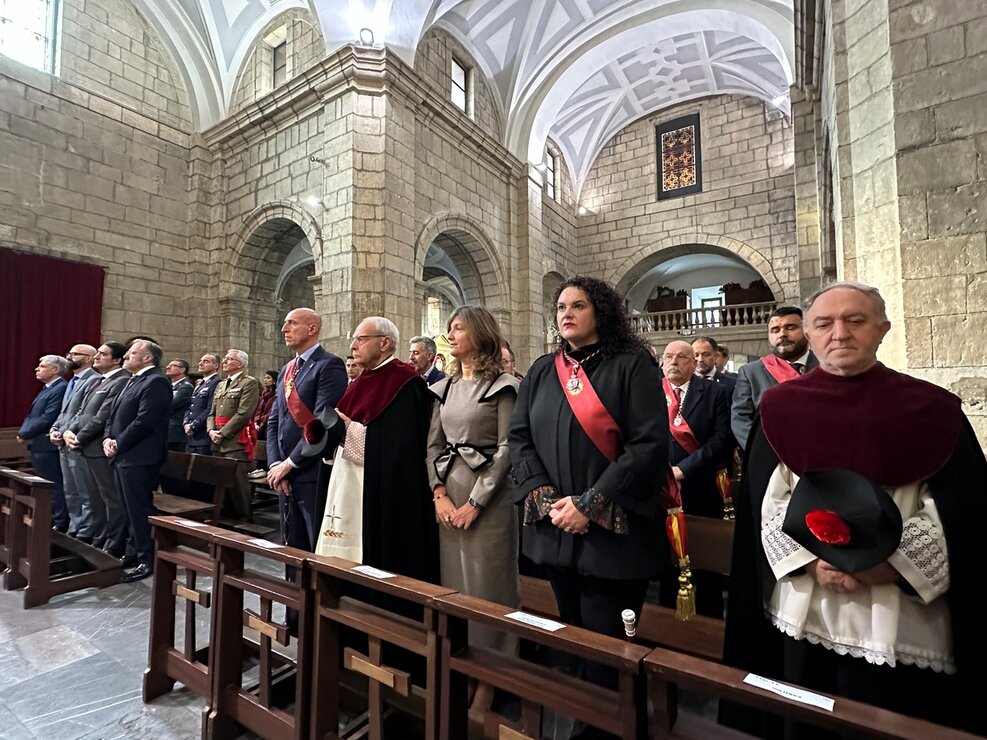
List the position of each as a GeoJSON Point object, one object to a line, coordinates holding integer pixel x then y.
{"type": "Point", "coordinates": [790, 692]}
{"type": "Point", "coordinates": [369, 570]}
{"type": "Point", "coordinates": [191, 523]}
{"type": "Point", "coordinates": [540, 622]}
{"type": "Point", "coordinates": [265, 544]}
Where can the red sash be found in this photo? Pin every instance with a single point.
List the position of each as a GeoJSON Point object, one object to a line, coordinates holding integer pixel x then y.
{"type": "Point", "coordinates": [588, 409]}
{"type": "Point", "coordinates": [301, 413]}
{"type": "Point", "coordinates": [779, 369]}
{"type": "Point", "coordinates": [247, 437]}
{"type": "Point", "coordinates": [682, 432]}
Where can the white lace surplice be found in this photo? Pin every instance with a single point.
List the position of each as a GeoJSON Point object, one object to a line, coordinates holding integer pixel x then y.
{"type": "Point", "coordinates": [882, 624]}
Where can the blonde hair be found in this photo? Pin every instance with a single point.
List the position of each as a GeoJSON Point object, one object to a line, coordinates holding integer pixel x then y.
{"type": "Point", "coordinates": [485, 334]}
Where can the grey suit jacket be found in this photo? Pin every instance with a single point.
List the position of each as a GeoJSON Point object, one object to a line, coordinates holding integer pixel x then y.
{"type": "Point", "coordinates": [72, 406]}
{"type": "Point", "coordinates": [752, 380]}
{"type": "Point", "coordinates": [88, 424]}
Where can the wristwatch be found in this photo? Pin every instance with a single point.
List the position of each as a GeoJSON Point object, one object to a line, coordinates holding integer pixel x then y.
{"type": "Point", "coordinates": [474, 504]}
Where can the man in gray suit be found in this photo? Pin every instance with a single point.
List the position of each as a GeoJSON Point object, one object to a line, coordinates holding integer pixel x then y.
{"type": "Point", "coordinates": [790, 357]}
{"type": "Point", "coordinates": [84, 436]}
{"type": "Point", "coordinates": [74, 477]}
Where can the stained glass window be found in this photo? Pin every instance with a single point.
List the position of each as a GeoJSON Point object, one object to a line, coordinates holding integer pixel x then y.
{"type": "Point", "coordinates": [27, 32]}
{"type": "Point", "coordinates": [679, 157]}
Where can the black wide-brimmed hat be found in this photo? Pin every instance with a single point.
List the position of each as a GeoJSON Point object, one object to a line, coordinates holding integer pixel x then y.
{"type": "Point", "coordinates": [315, 434]}
{"type": "Point", "coordinates": [844, 519]}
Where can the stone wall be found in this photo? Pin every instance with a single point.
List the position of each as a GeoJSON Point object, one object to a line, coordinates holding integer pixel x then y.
{"type": "Point", "coordinates": [747, 205]}
{"type": "Point", "coordinates": [85, 178]}
{"type": "Point", "coordinates": [107, 48]}
{"type": "Point", "coordinates": [305, 47]}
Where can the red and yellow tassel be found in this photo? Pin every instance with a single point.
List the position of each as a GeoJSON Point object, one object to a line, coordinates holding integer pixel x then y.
{"type": "Point", "coordinates": [685, 602]}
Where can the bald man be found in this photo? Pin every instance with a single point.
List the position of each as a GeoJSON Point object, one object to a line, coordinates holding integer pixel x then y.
{"type": "Point", "coordinates": [84, 522]}
{"type": "Point", "coordinates": [312, 381]}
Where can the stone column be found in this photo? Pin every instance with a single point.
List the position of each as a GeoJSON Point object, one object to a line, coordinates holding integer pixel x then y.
{"type": "Point", "coordinates": [528, 339]}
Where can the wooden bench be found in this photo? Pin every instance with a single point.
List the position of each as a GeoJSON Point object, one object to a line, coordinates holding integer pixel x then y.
{"type": "Point", "coordinates": [42, 561]}
{"type": "Point", "coordinates": [14, 454]}
{"type": "Point", "coordinates": [621, 711]}
{"type": "Point", "coordinates": [217, 472]}
{"type": "Point", "coordinates": [254, 707]}
{"type": "Point", "coordinates": [710, 548]}
{"type": "Point", "coordinates": [381, 628]}
{"type": "Point", "coordinates": [665, 667]}
{"type": "Point", "coordinates": [179, 543]}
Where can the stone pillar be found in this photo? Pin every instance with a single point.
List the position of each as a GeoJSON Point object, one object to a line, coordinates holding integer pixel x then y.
{"type": "Point", "coordinates": [367, 261]}
{"type": "Point", "coordinates": [807, 212]}
{"type": "Point", "coordinates": [528, 338]}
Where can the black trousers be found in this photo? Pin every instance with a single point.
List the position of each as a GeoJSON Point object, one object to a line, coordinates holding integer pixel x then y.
{"type": "Point", "coordinates": [136, 484]}
{"type": "Point", "coordinates": [595, 604]}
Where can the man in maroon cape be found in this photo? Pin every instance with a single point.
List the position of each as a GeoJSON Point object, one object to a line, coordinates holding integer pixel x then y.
{"type": "Point", "coordinates": [379, 508]}
{"type": "Point", "coordinates": [904, 634]}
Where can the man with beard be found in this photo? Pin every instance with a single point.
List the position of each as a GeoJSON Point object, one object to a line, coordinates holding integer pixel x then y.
{"type": "Point", "coordinates": [75, 477]}
{"type": "Point", "coordinates": [705, 349]}
{"type": "Point", "coordinates": [790, 357]}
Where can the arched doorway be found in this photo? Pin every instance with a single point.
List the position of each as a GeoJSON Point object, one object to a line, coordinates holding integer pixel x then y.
{"type": "Point", "coordinates": [271, 273]}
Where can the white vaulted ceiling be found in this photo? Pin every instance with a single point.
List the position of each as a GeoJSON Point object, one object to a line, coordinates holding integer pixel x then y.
{"type": "Point", "coordinates": [576, 70]}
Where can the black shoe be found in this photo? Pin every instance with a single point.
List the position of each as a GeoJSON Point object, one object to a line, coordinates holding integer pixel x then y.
{"type": "Point", "coordinates": [140, 572]}
{"type": "Point", "coordinates": [129, 561]}
{"type": "Point", "coordinates": [84, 540]}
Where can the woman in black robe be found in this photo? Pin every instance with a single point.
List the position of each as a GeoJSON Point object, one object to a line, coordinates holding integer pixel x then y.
{"type": "Point", "coordinates": [595, 524]}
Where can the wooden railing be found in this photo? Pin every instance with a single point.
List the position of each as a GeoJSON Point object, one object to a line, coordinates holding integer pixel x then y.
{"type": "Point", "coordinates": [692, 320]}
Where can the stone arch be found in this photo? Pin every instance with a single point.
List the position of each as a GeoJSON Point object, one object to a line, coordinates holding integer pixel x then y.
{"type": "Point", "coordinates": [467, 244]}
{"type": "Point", "coordinates": [634, 267]}
{"type": "Point", "coordinates": [263, 258]}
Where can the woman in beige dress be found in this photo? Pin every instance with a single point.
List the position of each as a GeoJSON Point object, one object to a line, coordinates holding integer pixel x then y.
{"type": "Point", "coordinates": [468, 463]}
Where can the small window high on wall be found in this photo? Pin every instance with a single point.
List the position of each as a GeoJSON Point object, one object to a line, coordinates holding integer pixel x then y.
{"type": "Point", "coordinates": [280, 63]}
{"type": "Point", "coordinates": [460, 90]}
{"type": "Point", "coordinates": [28, 32]}
{"type": "Point", "coordinates": [680, 170]}
{"type": "Point", "coordinates": [551, 178]}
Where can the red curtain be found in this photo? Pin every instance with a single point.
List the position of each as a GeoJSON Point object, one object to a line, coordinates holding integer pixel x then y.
{"type": "Point", "coordinates": [46, 306]}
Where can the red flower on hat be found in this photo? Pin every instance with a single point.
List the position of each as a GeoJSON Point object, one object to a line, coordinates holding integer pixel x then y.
{"type": "Point", "coordinates": [826, 526]}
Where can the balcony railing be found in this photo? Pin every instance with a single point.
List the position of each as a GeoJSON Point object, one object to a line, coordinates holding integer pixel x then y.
{"type": "Point", "coordinates": [695, 320]}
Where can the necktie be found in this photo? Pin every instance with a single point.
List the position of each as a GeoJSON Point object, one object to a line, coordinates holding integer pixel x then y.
{"type": "Point", "coordinates": [678, 396]}
{"type": "Point", "coordinates": [798, 367]}
{"type": "Point", "coordinates": [299, 364]}
{"type": "Point", "coordinates": [71, 388]}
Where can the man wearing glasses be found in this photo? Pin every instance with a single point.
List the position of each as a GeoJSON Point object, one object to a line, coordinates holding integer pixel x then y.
{"type": "Point", "coordinates": [313, 381]}
{"type": "Point", "coordinates": [75, 476]}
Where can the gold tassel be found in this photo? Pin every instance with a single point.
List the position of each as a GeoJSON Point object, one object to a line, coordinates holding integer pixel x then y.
{"type": "Point", "coordinates": [685, 603]}
{"type": "Point", "coordinates": [728, 508]}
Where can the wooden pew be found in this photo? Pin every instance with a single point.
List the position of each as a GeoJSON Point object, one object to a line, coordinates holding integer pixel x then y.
{"type": "Point", "coordinates": [14, 454]}
{"type": "Point", "coordinates": [621, 712]}
{"type": "Point", "coordinates": [710, 546]}
{"type": "Point", "coordinates": [29, 541]}
{"type": "Point", "coordinates": [330, 577]}
{"type": "Point", "coordinates": [665, 667]}
{"type": "Point", "coordinates": [179, 543]}
{"type": "Point", "coordinates": [217, 472]}
{"type": "Point", "coordinates": [254, 708]}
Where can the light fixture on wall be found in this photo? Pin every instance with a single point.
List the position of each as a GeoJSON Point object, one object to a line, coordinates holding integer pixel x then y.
{"type": "Point", "coordinates": [366, 37]}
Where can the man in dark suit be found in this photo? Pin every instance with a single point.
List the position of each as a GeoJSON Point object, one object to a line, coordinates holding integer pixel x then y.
{"type": "Point", "coordinates": [34, 431]}
{"type": "Point", "coordinates": [314, 380]}
{"type": "Point", "coordinates": [422, 352]}
{"type": "Point", "coordinates": [136, 441]}
{"type": "Point", "coordinates": [700, 446]}
{"type": "Point", "coordinates": [84, 436]}
{"type": "Point", "coordinates": [705, 351]}
{"type": "Point", "coordinates": [194, 422]}
{"type": "Point", "coordinates": [181, 398]}
{"type": "Point", "coordinates": [722, 357]}
{"type": "Point", "coordinates": [790, 357]}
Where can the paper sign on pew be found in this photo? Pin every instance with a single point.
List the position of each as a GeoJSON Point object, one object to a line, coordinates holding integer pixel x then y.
{"type": "Point", "coordinates": [369, 570]}
{"type": "Point", "coordinates": [545, 624]}
{"type": "Point", "coordinates": [790, 692]}
{"type": "Point", "coordinates": [267, 544]}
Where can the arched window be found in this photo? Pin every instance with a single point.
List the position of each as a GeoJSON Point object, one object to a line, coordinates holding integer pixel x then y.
{"type": "Point", "coordinates": [28, 32]}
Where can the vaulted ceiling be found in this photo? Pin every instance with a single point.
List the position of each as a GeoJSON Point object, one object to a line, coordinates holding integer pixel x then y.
{"type": "Point", "coordinates": [576, 70]}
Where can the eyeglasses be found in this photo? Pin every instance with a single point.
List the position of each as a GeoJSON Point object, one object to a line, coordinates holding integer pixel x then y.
{"type": "Point", "coordinates": [77, 354]}
{"type": "Point", "coordinates": [362, 338]}
{"type": "Point", "coordinates": [678, 357]}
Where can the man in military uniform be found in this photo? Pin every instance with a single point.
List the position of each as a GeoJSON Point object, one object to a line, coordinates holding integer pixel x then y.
{"type": "Point", "coordinates": [231, 427]}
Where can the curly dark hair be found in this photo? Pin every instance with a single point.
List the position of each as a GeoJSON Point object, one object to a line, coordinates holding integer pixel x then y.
{"type": "Point", "coordinates": [612, 325]}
